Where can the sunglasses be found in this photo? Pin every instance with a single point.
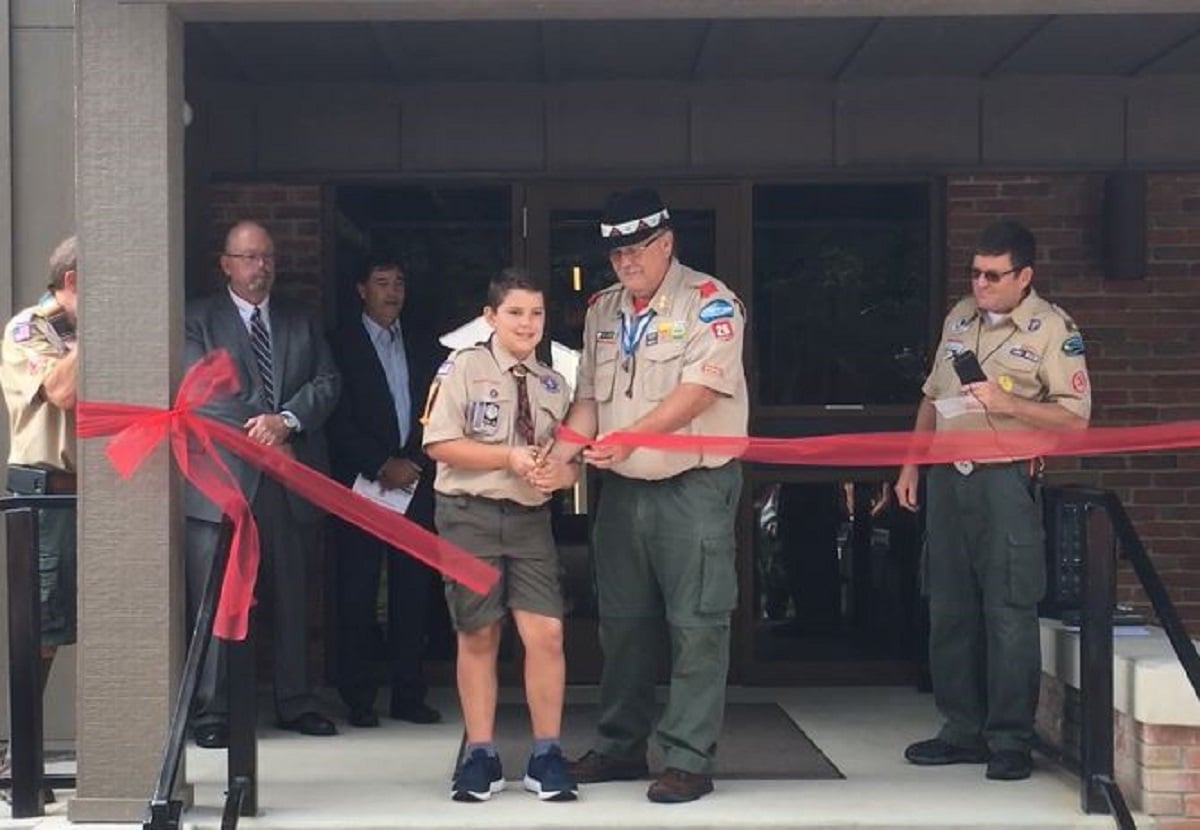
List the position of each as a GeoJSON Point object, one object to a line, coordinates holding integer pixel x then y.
{"type": "Point", "coordinates": [992, 277]}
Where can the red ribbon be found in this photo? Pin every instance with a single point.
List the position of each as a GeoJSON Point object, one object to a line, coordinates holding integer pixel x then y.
{"type": "Point", "coordinates": [887, 449]}
{"type": "Point", "coordinates": [137, 430]}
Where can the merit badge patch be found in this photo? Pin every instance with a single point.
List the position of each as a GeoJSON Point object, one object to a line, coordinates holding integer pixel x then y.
{"type": "Point", "coordinates": [1035, 324]}
{"type": "Point", "coordinates": [722, 330]}
{"type": "Point", "coordinates": [1079, 381]}
{"type": "Point", "coordinates": [1024, 353]}
{"type": "Point", "coordinates": [1073, 346]}
{"type": "Point", "coordinates": [716, 310]}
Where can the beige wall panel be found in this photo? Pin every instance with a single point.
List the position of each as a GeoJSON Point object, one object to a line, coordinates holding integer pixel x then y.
{"type": "Point", "coordinates": [130, 207]}
{"type": "Point", "coordinates": [624, 126]}
{"type": "Point", "coordinates": [43, 13]}
{"type": "Point", "coordinates": [328, 128]}
{"type": "Point", "coordinates": [474, 127]}
{"type": "Point", "coordinates": [760, 124]}
{"type": "Point", "coordinates": [1164, 122]}
{"type": "Point", "coordinates": [43, 119]}
{"type": "Point", "coordinates": [1063, 120]}
{"type": "Point", "coordinates": [908, 122]}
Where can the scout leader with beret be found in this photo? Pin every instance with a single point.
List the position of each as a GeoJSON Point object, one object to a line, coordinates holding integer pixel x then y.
{"type": "Point", "coordinates": [984, 568]}
{"type": "Point", "coordinates": [491, 413]}
{"type": "Point", "coordinates": [662, 353]}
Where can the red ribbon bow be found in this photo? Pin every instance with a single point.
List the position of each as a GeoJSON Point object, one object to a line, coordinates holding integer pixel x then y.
{"type": "Point", "coordinates": [137, 430]}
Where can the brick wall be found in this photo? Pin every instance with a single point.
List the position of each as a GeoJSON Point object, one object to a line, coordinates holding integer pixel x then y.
{"type": "Point", "coordinates": [1143, 341]}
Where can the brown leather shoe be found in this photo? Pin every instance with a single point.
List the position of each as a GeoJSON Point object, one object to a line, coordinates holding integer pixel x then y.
{"type": "Point", "coordinates": [674, 786]}
{"type": "Point", "coordinates": [595, 767]}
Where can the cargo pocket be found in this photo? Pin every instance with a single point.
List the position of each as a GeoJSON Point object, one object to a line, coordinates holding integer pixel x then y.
{"type": "Point", "coordinates": [1026, 566]}
{"type": "Point", "coordinates": [718, 577]}
{"type": "Point", "coordinates": [663, 366]}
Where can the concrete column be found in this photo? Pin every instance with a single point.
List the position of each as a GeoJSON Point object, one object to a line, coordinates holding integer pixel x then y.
{"type": "Point", "coordinates": [129, 191]}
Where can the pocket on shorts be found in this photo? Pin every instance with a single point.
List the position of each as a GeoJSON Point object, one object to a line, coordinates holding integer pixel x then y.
{"type": "Point", "coordinates": [718, 576]}
{"type": "Point", "coordinates": [1026, 566]}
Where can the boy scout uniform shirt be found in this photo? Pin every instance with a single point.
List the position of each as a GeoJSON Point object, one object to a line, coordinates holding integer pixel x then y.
{"type": "Point", "coordinates": [1035, 353]}
{"type": "Point", "coordinates": [475, 397]}
{"type": "Point", "coordinates": [694, 335]}
{"type": "Point", "coordinates": [41, 433]}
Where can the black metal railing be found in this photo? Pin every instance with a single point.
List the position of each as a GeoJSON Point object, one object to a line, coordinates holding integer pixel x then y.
{"type": "Point", "coordinates": [241, 798]}
{"type": "Point", "coordinates": [1108, 532]}
{"type": "Point", "coordinates": [27, 777]}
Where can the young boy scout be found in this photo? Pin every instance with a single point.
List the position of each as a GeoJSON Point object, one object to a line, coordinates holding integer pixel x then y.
{"type": "Point", "coordinates": [985, 566]}
{"type": "Point", "coordinates": [492, 412]}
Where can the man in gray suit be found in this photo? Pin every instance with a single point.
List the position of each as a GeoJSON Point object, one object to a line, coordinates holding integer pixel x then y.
{"type": "Point", "coordinates": [289, 386]}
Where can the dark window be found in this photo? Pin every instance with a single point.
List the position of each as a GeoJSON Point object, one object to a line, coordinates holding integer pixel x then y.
{"type": "Point", "coordinates": [841, 293]}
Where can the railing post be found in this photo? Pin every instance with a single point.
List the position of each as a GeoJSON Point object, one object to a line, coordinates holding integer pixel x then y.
{"type": "Point", "coordinates": [1096, 655]}
{"type": "Point", "coordinates": [25, 751]}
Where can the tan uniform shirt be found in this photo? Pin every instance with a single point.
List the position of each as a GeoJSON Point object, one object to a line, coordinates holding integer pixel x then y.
{"type": "Point", "coordinates": [1035, 353]}
{"type": "Point", "coordinates": [694, 335]}
{"type": "Point", "coordinates": [40, 433]}
{"type": "Point", "coordinates": [475, 397]}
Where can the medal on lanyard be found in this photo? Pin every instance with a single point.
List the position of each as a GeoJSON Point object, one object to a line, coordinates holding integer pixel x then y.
{"type": "Point", "coordinates": [631, 334]}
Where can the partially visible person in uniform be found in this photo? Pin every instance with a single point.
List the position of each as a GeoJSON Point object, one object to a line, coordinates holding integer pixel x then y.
{"type": "Point", "coordinates": [289, 385]}
{"type": "Point", "coordinates": [39, 372]}
{"type": "Point", "coordinates": [490, 417]}
{"type": "Point", "coordinates": [985, 566]}
{"type": "Point", "coordinates": [662, 353]}
{"type": "Point", "coordinates": [374, 434]}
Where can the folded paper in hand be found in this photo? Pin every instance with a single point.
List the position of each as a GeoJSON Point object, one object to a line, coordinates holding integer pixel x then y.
{"type": "Point", "coordinates": [958, 405]}
{"type": "Point", "coordinates": [397, 500]}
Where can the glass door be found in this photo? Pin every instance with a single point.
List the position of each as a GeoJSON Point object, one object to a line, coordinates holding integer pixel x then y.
{"type": "Point", "coordinates": [563, 248]}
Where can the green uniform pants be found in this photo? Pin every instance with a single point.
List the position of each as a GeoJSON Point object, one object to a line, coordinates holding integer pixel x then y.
{"type": "Point", "coordinates": [664, 551]}
{"type": "Point", "coordinates": [985, 572]}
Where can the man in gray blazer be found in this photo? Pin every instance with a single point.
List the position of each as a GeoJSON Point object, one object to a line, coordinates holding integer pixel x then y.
{"type": "Point", "coordinates": [289, 387]}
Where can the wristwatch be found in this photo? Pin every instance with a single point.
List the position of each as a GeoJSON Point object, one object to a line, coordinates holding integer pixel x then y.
{"type": "Point", "coordinates": [290, 421]}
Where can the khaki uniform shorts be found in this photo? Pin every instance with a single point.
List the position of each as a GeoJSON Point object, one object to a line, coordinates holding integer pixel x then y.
{"type": "Point", "coordinates": [518, 541]}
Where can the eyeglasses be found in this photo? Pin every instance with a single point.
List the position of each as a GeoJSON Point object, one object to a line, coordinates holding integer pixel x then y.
{"type": "Point", "coordinates": [636, 250]}
{"type": "Point", "coordinates": [992, 277]}
{"type": "Point", "coordinates": [257, 259]}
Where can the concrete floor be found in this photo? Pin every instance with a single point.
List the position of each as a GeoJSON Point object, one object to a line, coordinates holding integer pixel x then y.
{"type": "Point", "coordinates": [398, 777]}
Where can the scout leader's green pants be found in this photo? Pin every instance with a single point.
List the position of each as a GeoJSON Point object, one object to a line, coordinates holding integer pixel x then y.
{"type": "Point", "coordinates": [665, 550]}
{"type": "Point", "coordinates": [985, 572]}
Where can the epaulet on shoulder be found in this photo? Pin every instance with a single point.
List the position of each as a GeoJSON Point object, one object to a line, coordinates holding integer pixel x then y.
{"type": "Point", "coordinates": [1068, 321]}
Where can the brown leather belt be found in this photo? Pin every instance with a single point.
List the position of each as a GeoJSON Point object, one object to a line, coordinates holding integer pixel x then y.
{"type": "Point", "coordinates": [34, 481]}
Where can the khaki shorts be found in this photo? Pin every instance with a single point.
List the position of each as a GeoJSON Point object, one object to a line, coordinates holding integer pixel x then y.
{"type": "Point", "coordinates": [514, 538]}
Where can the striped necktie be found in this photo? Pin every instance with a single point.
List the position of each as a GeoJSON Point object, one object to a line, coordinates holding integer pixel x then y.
{"type": "Point", "coordinates": [260, 340]}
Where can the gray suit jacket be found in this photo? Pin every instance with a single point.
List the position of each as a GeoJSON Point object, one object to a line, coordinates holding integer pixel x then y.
{"type": "Point", "coordinates": [306, 379]}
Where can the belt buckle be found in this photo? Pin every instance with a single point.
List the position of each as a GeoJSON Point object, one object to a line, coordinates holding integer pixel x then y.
{"type": "Point", "coordinates": [965, 467]}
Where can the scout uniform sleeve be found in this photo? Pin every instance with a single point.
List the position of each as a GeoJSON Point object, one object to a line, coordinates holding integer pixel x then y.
{"type": "Point", "coordinates": [585, 377]}
{"type": "Point", "coordinates": [1063, 370]}
{"type": "Point", "coordinates": [445, 418]}
{"type": "Point", "coordinates": [713, 355]}
{"type": "Point", "coordinates": [28, 356]}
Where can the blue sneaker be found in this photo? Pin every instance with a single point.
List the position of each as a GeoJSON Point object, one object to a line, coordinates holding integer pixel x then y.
{"type": "Point", "coordinates": [547, 776]}
{"type": "Point", "coordinates": [479, 776]}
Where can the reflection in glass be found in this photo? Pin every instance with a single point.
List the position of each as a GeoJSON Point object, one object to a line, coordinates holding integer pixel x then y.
{"type": "Point", "coordinates": [835, 571]}
{"type": "Point", "coordinates": [841, 293]}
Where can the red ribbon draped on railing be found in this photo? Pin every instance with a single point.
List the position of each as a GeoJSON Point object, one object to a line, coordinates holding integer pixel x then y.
{"type": "Point", "coordinates": [137, 430]}
{"type": "Point", "coordinates": [887, 449]}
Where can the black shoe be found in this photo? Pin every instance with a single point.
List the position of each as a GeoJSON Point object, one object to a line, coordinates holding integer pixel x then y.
{"type": "Point", "coordinates": [935, 753]}
{"type": "Point", "coordinates": [595, 767]}
{"type": "Point", "coordinates": [310, 723]}
{"type": "Point", "coordinates": [364, 718]}
{"type": "Point", "coordinates": [414, 713]}
{"type": "Point", "coordinates": [1009, 765]}
{"type": "Point", "coordinates": [211, 736]}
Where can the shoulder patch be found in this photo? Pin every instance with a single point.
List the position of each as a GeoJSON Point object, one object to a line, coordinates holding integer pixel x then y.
{"type": "Point", "coordinates": [550, 384]}
{"type": "Point", "coordinates": [715, 310]}
{"type": "Point", "coordinates": [21, 332]}
{"type": "Point", "coordinates": [707, 288]}
{"type": "Point", "coordinates": [446, 366]}
{"type": "Point", "coordinates": [1073, 345]}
